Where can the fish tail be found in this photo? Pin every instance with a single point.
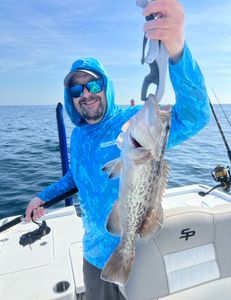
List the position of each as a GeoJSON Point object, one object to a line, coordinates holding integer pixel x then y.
{"type": "Point", "coordinates": [118, 267]}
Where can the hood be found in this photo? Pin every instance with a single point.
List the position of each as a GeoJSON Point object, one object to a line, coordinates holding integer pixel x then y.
{"type": "Point", "coordinates": [94, 65]}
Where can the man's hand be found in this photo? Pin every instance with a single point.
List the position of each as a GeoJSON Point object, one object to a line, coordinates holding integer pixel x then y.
{"type": "Point", "coordinates": [169, 28]}
{"type": "Point", "coordinates": [33, 206]}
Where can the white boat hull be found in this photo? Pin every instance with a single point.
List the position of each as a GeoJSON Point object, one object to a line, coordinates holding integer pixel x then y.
{"type": "Point", "coordinates": [167, 266]}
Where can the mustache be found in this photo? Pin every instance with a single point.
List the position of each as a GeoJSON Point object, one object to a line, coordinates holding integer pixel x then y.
{"type": "Point", "coordinates": [90, 98]}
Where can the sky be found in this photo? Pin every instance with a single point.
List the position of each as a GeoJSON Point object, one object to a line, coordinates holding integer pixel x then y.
{"type": "Point", "coordinates": [39, 40]}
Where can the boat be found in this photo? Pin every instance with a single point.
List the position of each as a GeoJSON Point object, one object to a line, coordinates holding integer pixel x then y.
{"type": "Point", "coordinates": [190, 258]}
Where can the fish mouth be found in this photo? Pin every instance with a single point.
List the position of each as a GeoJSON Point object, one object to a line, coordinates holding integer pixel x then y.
{"type": "Point", "coordinates": [135, 143]}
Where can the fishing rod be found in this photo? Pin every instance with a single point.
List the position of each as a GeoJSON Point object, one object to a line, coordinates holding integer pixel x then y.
{"type": "Point", "coordinates": [220, 173]}
{"type": "Point", "coordinates": [63, 145]}
{"type": "Point", "coordinates": [47, 204]}
{"type": "Point", "coordinates": [221, 131]}
{"type": "Point", "coordinates": [31, 237]}
{"type": "Point", "coordinates": [221, 106]}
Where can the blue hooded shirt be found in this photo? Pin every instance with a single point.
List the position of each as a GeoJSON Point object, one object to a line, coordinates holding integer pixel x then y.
{"type": "Point", "coordinates": [93, 145]}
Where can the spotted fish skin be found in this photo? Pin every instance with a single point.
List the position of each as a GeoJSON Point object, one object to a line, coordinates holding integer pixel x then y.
{"type": "Point", "coordinates": [143, 176]}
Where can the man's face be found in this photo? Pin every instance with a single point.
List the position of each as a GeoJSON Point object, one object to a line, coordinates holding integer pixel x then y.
{"type": "Point", "coordinates": [91, 107]}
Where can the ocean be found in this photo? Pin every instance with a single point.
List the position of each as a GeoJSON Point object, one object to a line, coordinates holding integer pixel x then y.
{"type": "Point", "coordinates": [30, 157]}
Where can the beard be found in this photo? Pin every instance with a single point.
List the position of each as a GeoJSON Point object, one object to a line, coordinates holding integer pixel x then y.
{"type": "Point", "coordinates": [92, 113]}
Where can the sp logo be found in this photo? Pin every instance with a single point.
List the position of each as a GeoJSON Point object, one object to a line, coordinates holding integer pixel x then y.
{"type": "Point", "coordinates": [187, 233]}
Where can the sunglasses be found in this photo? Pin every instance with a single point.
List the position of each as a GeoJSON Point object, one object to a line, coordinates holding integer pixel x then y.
{"type": "Point", "coordinates": [93, 87]}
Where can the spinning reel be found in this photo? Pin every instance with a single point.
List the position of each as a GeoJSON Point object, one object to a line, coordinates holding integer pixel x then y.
{"type": "Point", "coordinates": [222, 175]}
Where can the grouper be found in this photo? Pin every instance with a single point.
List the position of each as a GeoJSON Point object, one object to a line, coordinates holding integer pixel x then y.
{"type": "Point", "coordinates": [143, 177]}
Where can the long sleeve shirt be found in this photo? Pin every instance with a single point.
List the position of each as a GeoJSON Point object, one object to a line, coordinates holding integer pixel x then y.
{"type": "Point", "coordinates": [92, 146]}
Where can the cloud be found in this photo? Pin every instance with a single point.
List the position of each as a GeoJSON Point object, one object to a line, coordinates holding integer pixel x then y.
{"type": "Point", "coordinates": [44, 37]}
{"type": "Point", "coordinates": [37, 30]}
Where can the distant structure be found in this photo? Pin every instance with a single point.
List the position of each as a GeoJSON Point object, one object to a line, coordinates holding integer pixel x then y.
{"type": "Point", "coordinates": [132, 102]}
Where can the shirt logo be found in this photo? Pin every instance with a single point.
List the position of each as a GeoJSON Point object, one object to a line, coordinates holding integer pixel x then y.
{"type": "Point", "coordinates": [108, 144]}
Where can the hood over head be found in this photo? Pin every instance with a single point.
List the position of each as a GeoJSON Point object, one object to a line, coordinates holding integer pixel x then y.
{"type": "Point", "coordinates": [92, 65]}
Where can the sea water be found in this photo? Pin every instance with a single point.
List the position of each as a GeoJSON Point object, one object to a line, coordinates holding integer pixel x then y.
{"type": "Point", "coordinates": [30, 157]}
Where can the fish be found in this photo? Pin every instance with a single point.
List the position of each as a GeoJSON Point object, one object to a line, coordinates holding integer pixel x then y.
{"type": "Point", "coordinates": [143, 174]}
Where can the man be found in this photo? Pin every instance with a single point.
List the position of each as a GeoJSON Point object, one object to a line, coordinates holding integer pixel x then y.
{"type": "Point", "coordinates": [89, 101]}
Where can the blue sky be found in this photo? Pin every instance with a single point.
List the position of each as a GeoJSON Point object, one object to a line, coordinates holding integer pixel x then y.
{"type": "Point", "coordinates": [40, 39]}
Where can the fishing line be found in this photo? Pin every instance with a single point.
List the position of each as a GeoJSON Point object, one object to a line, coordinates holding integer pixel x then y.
{"type": "Point", "coordinates": [220, 173]}
{"type": "Point", "coordinates": [221, 106]}
{"type": "Point", "coordinates": [221, 131]}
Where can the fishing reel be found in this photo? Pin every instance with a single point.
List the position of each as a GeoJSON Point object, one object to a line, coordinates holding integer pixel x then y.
{"type": "Point", "coordinates": [31, 237]}
{"type": "Point", "coordinates": [221, 175]}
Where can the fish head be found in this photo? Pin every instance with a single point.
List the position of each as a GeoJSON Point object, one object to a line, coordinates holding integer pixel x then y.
{"type": "Point", "coordinates": [148, 130]}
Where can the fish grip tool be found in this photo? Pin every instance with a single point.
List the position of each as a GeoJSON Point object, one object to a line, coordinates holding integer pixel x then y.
{"type": "Point", "coordinates": [33, 236]}
{"type": "Point", "coordinates": [157, 59]}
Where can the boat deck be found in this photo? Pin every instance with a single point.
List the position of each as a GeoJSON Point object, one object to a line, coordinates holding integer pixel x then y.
{"type": "Point", "coordinates": [51, 268]}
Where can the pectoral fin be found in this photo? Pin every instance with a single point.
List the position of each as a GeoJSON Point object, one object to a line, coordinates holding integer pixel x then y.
{"type": "Point", "coordinates": [113, 168]}
{"type": "Point", "coordinates": [114, 221]}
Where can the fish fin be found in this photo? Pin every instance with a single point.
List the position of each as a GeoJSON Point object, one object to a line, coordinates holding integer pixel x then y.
{"type": "Point", "coordinates": [155, 217]}
{"type": "Point", "coordinates": [113, 168]}
{"type": "Point", "coordinates": [165, 170]}
{"type": "Point", "coordinates": [113, 222]}
{"type": "Point", "coordinates": [118, 267]}
{"type": "Point", "coordinates": [153, 221]}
